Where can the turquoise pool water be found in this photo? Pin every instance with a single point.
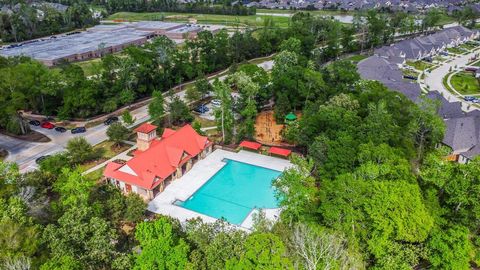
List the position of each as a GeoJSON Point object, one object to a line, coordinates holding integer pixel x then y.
{"type": "Point", "coordinates": [234, 191]}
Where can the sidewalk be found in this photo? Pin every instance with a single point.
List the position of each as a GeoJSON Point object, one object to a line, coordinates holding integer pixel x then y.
{"type": "Point", "coordinates": [122, 156]}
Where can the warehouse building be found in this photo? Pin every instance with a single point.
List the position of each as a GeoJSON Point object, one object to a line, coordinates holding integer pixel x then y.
{"type": "Point", "coordinates": [101, 40]}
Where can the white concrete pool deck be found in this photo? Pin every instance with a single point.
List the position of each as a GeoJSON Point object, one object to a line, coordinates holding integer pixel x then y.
{"type": "Point", "coordinates": [182, 188]}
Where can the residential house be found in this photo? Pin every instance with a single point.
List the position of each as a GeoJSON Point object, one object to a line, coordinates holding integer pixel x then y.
{"type": "Point", "coordinates": [158, 161]}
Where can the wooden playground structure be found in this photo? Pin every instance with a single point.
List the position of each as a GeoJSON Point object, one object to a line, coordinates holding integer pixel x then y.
{"type": "Point", "coordinates": [267, 131]}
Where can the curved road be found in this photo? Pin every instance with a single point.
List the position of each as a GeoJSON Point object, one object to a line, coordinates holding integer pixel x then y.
{"type": "Point", "coordinates": [435, 79]}
{"type": "Point", "coordinates": [25, 153]}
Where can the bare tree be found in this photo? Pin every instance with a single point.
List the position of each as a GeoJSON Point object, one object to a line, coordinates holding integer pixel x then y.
{"type": "Point", "coordinates": [20, 263]}
{"type": "Point", "coordinates": [322, 250]}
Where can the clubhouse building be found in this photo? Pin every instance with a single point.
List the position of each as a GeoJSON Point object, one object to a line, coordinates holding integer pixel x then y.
{"type": "Point", "coordinates": [158, 161]}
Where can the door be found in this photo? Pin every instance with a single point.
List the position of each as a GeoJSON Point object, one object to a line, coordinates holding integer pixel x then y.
{"type": "Point", "coordinates": [128, 188]}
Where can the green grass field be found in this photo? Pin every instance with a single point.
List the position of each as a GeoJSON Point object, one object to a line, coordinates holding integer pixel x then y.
{"type": "Point", "coordinates": [456, 50]}
{"type": "Point", "coordinates": [419, 65]}
{"type": "Point", "coordinates": [465, 83]}
{"type": "Point", "coordinates": [90, 67]}
{"type": "Point", "coordinates": [252, 20]}
{"type": "Point", "coordinates": [356, 58]}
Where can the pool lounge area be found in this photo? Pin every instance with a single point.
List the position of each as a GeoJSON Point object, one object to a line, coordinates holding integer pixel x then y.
{"type": "Point", "coordinates": [225, 185]}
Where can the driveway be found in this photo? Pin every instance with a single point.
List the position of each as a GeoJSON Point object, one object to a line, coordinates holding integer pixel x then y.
{"type": "Point", "coordinates": [435, 79]}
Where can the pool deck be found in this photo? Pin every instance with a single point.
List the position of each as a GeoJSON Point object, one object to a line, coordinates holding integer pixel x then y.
{"type": "Point", "coordinates": [182, 188]}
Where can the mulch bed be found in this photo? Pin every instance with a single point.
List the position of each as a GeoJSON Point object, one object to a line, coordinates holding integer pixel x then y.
{"type": "Point", "coordinates": [32, 136]}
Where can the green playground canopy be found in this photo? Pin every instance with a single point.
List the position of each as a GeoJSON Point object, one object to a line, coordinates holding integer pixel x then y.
{"type": "Point", "coordinates": [290, 117]}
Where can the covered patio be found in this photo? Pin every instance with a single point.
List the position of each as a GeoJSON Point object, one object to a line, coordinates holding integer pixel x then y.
{"type": "Point", "coordinates": [277, 151]}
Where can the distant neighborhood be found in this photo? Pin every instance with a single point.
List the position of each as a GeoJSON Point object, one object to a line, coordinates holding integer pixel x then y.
{"type": "Point", "coordinates": [463, 128]}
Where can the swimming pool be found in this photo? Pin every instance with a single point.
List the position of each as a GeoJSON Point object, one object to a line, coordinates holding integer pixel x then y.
{"type": "Point", "coordinates": [234, 191]}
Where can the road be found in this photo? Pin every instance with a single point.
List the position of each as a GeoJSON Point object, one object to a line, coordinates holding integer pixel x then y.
{"type": "Point", "coordinates": [25, 153]}
{"type": "Point", "coordinates": [434, 80]}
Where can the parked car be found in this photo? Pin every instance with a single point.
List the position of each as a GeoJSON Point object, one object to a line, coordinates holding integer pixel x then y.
{"type": "Point", "coordinates": [47, 125]}
{"type": "Point", "coordinates": [216, 102]}
{"type": "Point", "coordinates": [410, 77]}
{"type": "Point", "coordinates": [34, 123]}
{"type": "Point", "coordinates": [201, 109]}
{"type": "Point", "coordinates": [469, 98]}
{"type": "Point", "coordinates": [40, 159]}
{"type": "Point", "coordinates": [78, 130]}
{"type": "Point", "coordinates": [444, 53]}
{"type": "Point", "coordinates": [60, 129]}
{"type": "Point", "coordinates": [110, 120]}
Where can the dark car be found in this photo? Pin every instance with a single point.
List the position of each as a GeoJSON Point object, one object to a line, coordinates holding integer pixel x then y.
{"type": "Point", "coordinates": [40, 159]}
{"type": "Point", "coordinates": [60, 129]}
{"type": "Point", "coordinates": [201, 109]}
{"type": "Point", "coordinates": [410, 77]}
{"type": "Point", "coordinates": [47, 125]}
{"type": "Point", "coordinates": [111, 120]}
{"type": "Point", "coordinates": [34, 123]}
{"type": "Point", "coordinates": [79, 130]}
{"type": "Point", "coordinates": [469, 98]}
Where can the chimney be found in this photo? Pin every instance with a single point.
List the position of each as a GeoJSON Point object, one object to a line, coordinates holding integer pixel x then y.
{"type": "Point", "coordinates": [146, 133]}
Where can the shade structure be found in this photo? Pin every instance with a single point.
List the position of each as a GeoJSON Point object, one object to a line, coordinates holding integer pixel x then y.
{"type": "Point", "coordinates": [290, 117]}
{"type": "Point", "coordinates": [250, 145]}
{"type": "Point", "coordinates": [279, 151]}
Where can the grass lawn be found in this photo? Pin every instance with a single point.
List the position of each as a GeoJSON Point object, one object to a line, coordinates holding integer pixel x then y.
{"type": "Point", "coordinates": [251, 20]}
{"type": "Point", "coordinates": [465, 83]}
{"type": "Point", "coordinates": [90, 67]}
{"type": "Point", "coordinates": [468, 46]}
{"type": "Point", "coordinates": [95, 175]}
{"type": "Point", "coordinates": [108, 152]}
{"type": "Point", "coordinates": [205, 122]}
{"type": "Point", "coordinates": [444, 81]}
{"type": "Point", "coordinates": [439, 58]}
{"type": "Point", "coordinates": [477, 64]}
{"type": "Point", "coordinates": [356, 58]}
{"type": "Point", "coordinates": [408, 72]}
{"type": "Point", "coordinates": [419, 65]}
{"type": "Point", "coordinates": [456, 50]}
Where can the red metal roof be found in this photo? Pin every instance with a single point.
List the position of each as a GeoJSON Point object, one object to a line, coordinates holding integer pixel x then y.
{"type": "Point", "coordinates": [149, 168]}
{"type": "Point", "coordinates": [279, 151]}
{"type": "Point", "coordinates": [250, 145]}
{"type": "Point", "coordinates": [145, 128]}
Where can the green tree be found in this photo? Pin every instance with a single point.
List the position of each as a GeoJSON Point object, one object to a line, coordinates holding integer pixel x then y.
{"type": "Point", "coordinates": [450, 248]}
{"type": "Point", "coordinates": [224, 115]}
{"type": "Point", "coordinates": [179, 111]}
{"type": "Point", "coordinates": [262, 251]}
{"type": "Point", "coordinates": [81, 236]}
{"type": "Point", "coordinates": [117, 133]}
{"type": "Point", "coordinates": [128, 118]}
{"type": "Point", "coordinates": [79, 150]}
{"type": "Point", "coordinates": [156, 106]}
{"type": "Point", "coordinates": [296, 190]}
{"type": "Point", "coordinates": [161, 246]}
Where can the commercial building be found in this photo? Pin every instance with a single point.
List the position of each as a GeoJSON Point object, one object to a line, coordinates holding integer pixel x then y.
{"type": "Point", "coordinates": [158, 161]}
{"type": "Point", "coordinates": [100, 40]}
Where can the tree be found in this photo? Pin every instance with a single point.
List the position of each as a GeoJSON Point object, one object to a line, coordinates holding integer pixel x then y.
{"type": "Point", "coordinates": [224, 115]}
{"type": "Point", "coordinates": [155, 108]}
{"type": "Point", "coordinates": [450, 248]}
{"type": "Point", "coordinates": [79, 150]}
{"type": "Point", "coordinates": [248, 106]}
{"type": "Point", "coordinates": [179, 111]}
{"type": "Point", "coordinates": [80, 235]}
{"type": "Point", "coordinates": [262, 251]}
{"type": "Point", "coordinates": [321, 250]}
{"type": "Point", "coordinates": [117, 133]}
{"type": "Point", "coordinates": [135, 208]}
{"type": "Point", "coordinates": [128, 118]}
{"type": "Point", "coordinates": [161, 246]}
{"type": "Point", "coordinates": [73, 188]}
{"type": "Point", "coordinates": [296, 190]}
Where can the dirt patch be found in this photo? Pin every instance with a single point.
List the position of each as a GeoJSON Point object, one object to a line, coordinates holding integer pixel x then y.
{"type": "Point", "coordinates": [32, 136]}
